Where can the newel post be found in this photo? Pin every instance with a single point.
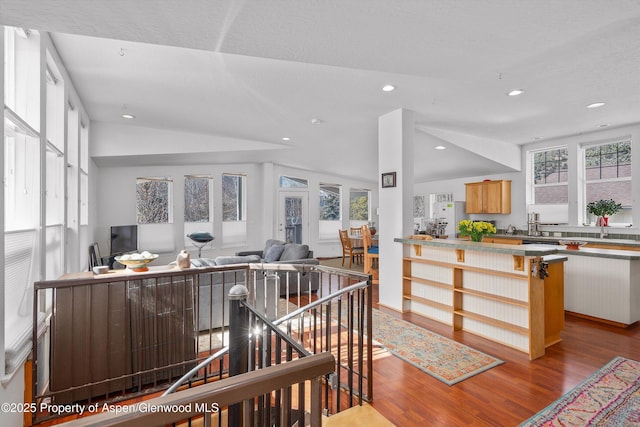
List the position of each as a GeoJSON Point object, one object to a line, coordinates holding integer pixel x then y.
{"type": "Point", "coordinates": [238, 343]}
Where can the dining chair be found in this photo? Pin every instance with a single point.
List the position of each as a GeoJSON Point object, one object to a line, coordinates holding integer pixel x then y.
{"type": "Point", "coordinates": [371, 255]}
{"type": "Point", "coordinates": [354, 254]}
{"type": "Point", "coordinates": [355, 231]}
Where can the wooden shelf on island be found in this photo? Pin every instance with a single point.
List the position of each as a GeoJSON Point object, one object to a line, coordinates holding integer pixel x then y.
{"type": "Point", "coordinates": [428, 302]}
{"type": "Point", "coordinates": [491, 321]}
{"type": "Point", "coordinates": [493, 297]}
{"type": "Point", "coordinates": [428, 282]}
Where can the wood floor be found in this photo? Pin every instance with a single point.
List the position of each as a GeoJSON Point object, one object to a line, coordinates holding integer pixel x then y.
{"type": "Point", "coordinates": [502, 396]}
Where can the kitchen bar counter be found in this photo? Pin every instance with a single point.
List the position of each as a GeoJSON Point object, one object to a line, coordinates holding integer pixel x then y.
{"type": "Point", "coordinates": [493, 290]}
{"type": "Point", "coordinates": [599, 284]}
{"type": "Point", "coordinates": [635, 244]}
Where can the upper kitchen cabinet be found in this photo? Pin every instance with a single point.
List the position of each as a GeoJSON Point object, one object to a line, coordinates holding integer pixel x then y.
{"type": "Point", "coordinates": [488, 197]}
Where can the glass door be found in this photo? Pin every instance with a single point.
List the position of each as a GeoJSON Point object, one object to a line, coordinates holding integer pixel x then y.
{"type": "Point", "coordinates": [293, 224]}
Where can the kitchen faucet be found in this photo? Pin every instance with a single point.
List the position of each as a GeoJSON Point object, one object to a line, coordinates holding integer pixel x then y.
{"type": "Point", "coordinates": [603, 232]}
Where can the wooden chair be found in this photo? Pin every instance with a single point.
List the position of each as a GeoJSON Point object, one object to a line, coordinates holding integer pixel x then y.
{"type": "Point", "coordinates": [355, 231]}
{"type": "Point", "coordinates": [347, 250]}
{"type": "Point", "coordinates": [371, 255]}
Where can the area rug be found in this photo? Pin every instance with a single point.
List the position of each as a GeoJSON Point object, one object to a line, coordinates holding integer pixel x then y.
{"type": "Point", "coordinates": [440, 357]}
{"type": "Point", "coordinates": [609, 397]}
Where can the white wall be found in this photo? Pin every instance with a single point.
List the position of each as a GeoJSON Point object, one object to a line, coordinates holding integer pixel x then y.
{"type": "Point", "coordinates": [116, 204]}
{"type": "Point", "coordinates": [518, 216]}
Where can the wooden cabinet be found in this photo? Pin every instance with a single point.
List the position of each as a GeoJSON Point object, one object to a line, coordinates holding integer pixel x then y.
{"type": "Point", "coordinates": [501, 240]}
{"type": "Point", "coordinates": [488, 197]}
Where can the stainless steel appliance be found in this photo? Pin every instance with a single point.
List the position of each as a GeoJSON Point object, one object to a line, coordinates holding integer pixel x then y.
{"type": "Point", "coordinates": [533, 224]}
{"type": "Point", "coordinates": [446, 216]}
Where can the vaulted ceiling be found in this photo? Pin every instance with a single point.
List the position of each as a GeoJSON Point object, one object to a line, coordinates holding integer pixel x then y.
{"type": "Point", "coordinates": [235, 77]}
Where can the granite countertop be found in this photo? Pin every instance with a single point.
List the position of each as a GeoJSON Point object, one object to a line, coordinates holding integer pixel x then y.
{"type": "Point", "coordinates": [526, 250]}
{"type": "Point", "coordinates": [620, 242]}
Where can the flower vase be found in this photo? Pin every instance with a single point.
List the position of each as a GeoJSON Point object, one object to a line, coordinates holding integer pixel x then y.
{"type": "Point", "coordinates": [602, 221]}
{"type": "Point", "coordinates": [477, 238]}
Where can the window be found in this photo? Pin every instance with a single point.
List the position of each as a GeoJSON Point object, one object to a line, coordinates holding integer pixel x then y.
{"type": "Point", "coordinates": [233, 198]}
{"type": "Point", "coordinates": [289, 182]}
{"type": "Point", "coordinates": [359, 205]}
{"type": "Point", "coordinates": [197, 198]}
{"type": "Point", "coordinates": [153, 200]}
{"type": "Point", "coordinates": [330, 211]}
{"type": "Point", "coordinates": [550, 176]}
{"type": "Point", "coordinates": [234, 225]}
{"type": "Point", "coordinates": [607, 175]}
{"type": "Point", "coordinates": [198, 206]}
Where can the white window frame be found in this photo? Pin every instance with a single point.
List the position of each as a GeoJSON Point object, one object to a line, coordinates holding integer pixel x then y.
{"type": "Point", "coordinates": [584, 182]}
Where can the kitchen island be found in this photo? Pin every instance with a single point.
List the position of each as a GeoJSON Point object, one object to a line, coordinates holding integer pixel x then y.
{"type": "Point", "coordinates": [493, 290]}
{"type": "Point", "coordinates": [603, 285]}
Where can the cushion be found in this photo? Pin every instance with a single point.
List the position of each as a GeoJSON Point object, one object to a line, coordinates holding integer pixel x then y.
{"type": "Point", "coordinates": [293, 251]}
{"type": "Point", "coordinates": [373, 250]}
{"type": "Point", "coordinates": [203, 262]}
{"type": "Point", "coordinates": [270, 243]}
{"type": "Point", "coordinates": [234, 259]}
{"type": "Point", "coordinates": [273, 253]}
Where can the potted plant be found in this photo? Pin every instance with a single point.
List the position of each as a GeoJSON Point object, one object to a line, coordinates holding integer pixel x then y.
{"type": "Point", "coordinates": [603, 208]}
{"type": "Point", "coordinates": [476, 230]}
{"type": "Point", "coordinates": [372, 227]}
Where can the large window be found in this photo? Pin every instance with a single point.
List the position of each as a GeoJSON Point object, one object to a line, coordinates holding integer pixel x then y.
{"type": "Point", "coordinates": [153, 200]}
{"type": "Point", "coordinates": [198, 205]}
{"type": "Point", "coordinates": [234, 225]}
{"type": "Point", "coordinates": [290, 182]}
{"type": "Point", "coordinates": [359, 205]}
{"type": "Point", "coordinates": [607, 175]}
{"type": "Point", "coordinates": [550, 176]}
{"type": "Point", "coordinates": [330, 211]}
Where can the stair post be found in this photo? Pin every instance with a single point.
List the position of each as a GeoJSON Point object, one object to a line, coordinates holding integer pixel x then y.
{"type": "Point", "coordinates": [238, 343]}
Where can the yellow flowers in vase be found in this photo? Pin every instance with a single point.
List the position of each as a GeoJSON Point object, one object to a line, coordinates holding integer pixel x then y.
{"type": "Point", "coordinates": [476, 230]}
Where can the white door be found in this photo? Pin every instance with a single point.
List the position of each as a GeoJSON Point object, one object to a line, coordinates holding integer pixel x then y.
{"type": "Point", "coordinates": [293, 216]}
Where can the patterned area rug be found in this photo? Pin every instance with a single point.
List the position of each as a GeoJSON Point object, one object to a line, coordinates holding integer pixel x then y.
{"type": "Point", "coordinates": [609, 397]}
{"type": "Point", "coordinates": [440, 357]}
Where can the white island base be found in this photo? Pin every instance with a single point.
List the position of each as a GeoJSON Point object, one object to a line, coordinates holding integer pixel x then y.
{"type": "Point", "coordinates": [492, 290]}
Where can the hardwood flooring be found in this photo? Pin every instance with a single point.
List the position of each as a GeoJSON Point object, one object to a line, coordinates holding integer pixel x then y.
{"type": "Point", "coordinates": [502, 396]}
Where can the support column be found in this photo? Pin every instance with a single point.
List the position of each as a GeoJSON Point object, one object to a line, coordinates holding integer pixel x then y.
{"type": "Point", "coordinates": [395, 154]}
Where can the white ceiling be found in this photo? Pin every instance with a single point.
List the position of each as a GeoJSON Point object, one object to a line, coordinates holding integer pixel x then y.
{"type": "Point", "coordinates": [251, 72]}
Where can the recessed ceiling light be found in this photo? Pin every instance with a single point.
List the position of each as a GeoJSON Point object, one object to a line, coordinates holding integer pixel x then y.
{"type": "Point", "coordinates": [286, 138]}
{"type": "Point", "coordinates": [604, 125]}
{"type": "Point", "coordinates": [440, 147]}
{"type": "Point", "coordinates": [537, 138]}
{"type": "Point", "coordinates": [128, 116]}
{"type": "Point", "coordinates": [316, 121]}
{"type": "Point", "coordinates": [595, 105]}
{"type": "Point", "coordinates": [516, 92]}
{"type": "Point", "coordinates": [388, 88]}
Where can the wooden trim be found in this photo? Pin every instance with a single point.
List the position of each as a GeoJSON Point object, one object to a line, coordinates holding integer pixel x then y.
{"type": "Point", "coordinates": [598, 319]}
{"type": "Point", "coordinates": [536, 313]}
{"type": "Point", "coordinates": [494, 297]}
{"type": "Point", "coordinates": [460, 255]}
{"type": "Point", "coordinates": [491, 321]}
{"type": "Point", "coordinates": [470, 268]}
{"type": "Point", "coordinates": [518, 262]}
{"type": "Point", "coordinates": [428, 302]}
{"type": "Point", "coordinates": [428, 282]}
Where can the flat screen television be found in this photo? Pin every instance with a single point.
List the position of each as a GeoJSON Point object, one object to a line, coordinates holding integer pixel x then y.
{"type": "Point", "coordinates": [124, 238]}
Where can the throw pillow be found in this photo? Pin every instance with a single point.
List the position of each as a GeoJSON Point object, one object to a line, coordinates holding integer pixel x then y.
{"type": "Point", "coordinates": [273, 254]}
{"type": "Point", "coordinates": [294, 251]}
{"type": "Point", "coordinates": [234, 259]}
{"type": "Point", "coordinates": [269, 243]}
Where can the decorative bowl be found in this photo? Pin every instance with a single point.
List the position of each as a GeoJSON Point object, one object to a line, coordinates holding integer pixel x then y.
{"type": "Point", "coordinates": [136, 262]}
{"type": "Point", "coordinates": [572, 244]}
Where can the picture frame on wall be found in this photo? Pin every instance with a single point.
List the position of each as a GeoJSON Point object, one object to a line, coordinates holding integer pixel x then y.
{"type": "Point", "coordinates": [388, 179]}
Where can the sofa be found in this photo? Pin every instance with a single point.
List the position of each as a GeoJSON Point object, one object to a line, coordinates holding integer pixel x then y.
{"type": "Point", "coordinates": [274, 252]}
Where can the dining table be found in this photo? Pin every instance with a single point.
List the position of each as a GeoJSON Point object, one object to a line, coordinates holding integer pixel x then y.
{"type": "Point", "coordinates": [357, 242]}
